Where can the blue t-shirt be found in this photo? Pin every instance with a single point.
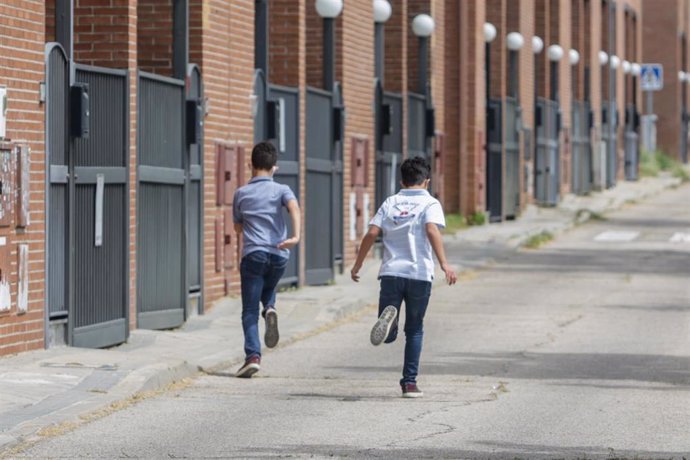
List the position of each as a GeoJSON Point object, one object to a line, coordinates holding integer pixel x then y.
{"type": "Point", "coordinates": [258, 206]}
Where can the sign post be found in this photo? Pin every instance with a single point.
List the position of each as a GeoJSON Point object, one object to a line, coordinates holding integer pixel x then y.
{"type": "Point", "coordinates": [651, 79]}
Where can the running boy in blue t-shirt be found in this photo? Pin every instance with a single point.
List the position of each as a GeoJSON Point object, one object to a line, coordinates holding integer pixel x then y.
{"type": "Point", "coordinates": [410, 222]}
{"type": "Point", "coordinates": [258, 217]}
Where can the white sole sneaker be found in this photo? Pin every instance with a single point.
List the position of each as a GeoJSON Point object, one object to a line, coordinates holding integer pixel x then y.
{"type": "Point", "coordinates": [383, 326]}
{"type": "Point", "coordinates": [271, 336]}
{"type": "Point", "coordinates": [248, 370]}
{"type": "Point", "coordinates": [417, 394]}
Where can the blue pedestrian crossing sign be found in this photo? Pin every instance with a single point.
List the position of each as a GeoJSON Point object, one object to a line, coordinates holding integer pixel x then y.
{"type": "Point", "coordinates": [651, 77]}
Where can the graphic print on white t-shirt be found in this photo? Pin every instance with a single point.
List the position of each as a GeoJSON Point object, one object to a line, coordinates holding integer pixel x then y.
{"type": "Point", "coordinates": [403, 218]}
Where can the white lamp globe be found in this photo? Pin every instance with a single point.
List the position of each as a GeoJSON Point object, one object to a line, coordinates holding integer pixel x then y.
{"type": "Point", "coordinates": [615, 62]}
{"type": "Point", "coordinates": [329, 8]}
{"type": "Point", "coordinates": [554, 53]}
{"type": "Point", "coordinates": [489, 32]}
{"type": "Point", "coordinates": [603, 57]}
{"type": "Point", "coordinates": [382, 11]}
{"type": "Point", "coordinates": [626, 66]}
{"type": "Point", "coordinates": [537, 45]}
{"type": "Point", "coordinates": [514, 41]}
{"type": "Point", "coordinates": [574, 57]}
{"type": "Point", "coordinates": [423, 25]}
{"type": "Point", "coordinates": [681, 75]}
{"type": "Point", "coordinates": [635, 69]}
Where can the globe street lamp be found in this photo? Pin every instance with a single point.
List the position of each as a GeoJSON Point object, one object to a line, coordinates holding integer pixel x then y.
{"type": "Point", "coordinates": [329, 10]}
{"type": "Point", "coordinates": [382, 13]}
{"type": "Point", "coordinates": [423, 26]}
{"type": "Point", "coordinates": [555, 54]}
{"type": "Point", "coordinates": [514, 42]}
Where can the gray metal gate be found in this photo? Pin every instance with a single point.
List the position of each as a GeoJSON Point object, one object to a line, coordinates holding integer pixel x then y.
{"type": "Point", "coordinates": [287, 143]}
{"type": "Point", "coordinates": [324, 199]}
{"type": "Point", "coordinates": [416, 126]}
{"type": "Point", "coordinates": [684, 132]}
{"type": "Point", "coordinates": [611, 145]}
{"type": "Point", "coordinates": [632, 143]}
{"type": "Point", "coordinates": [195, 194]}
{"type": "Point", "coordinates": [582, 148]}
{"type": "Point", "coordinates": [494, 161]}
{"type": "Point", "coordinates": [511, 142]}
{"type": "Point", "coordinates": [161, 214]}
{"type": "Point", "coordinates": [88, 204]}
{"type": "Point", "coordinates": [547, 180]}
{"type": "Point", "coordinates": [389, 144]}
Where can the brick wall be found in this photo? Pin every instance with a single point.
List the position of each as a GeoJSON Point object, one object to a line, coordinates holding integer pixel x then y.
{"type": "Point", "coordinates": [102, 32]}
{"type": "Point", "coordinates": [22, 28]}
{"type": "Point", "coordinates": [155, 36]}
{"type": "Point", "coordinates": [451, 105]}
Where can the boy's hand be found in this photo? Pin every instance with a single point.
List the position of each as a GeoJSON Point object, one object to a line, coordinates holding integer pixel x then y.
{"type": "Point", "coordinates": [354, 273]}
{"type": "Point", "coordinates": [289, 243]}
{"type": "Point", "coordinates": [451, 277]}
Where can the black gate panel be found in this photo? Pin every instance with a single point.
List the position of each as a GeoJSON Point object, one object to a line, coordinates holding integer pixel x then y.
{"type": "Point", "coordinates": [287, 144]}
{"type": "Point", "coordinates": [494, 163]}
{"type": "Point", "coordinates": [57, 147]}
{"type": "Point", "coordinates": [320, 206]}
{"type": "Point", "coordinates": [511, 142]}
{"type": "Point", "coordinates": [195, 195]}
{"type": "Point", "coordinates": [161, 215]}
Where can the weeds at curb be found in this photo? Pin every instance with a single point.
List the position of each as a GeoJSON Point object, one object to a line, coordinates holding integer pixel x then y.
{"type": "Point", "coordinates": [536, 241]}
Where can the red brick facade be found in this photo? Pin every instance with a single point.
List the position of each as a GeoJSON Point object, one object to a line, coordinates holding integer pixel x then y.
{"type": "Point", "coordinates": [137, 35]}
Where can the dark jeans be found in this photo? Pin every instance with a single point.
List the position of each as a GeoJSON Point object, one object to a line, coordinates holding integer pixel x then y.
{"type": "Point", "coordinates": [259, 273]}
{"type": "Point", "coordinates": [416, 295]}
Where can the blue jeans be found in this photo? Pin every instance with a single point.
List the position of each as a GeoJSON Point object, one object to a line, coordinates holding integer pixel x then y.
{"type": "Point", "coordinates": [416, 295]}
{"type": "Point", "coordinates": [260, 272]}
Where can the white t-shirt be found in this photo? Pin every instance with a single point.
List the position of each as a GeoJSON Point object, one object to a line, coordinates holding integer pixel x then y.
{"type": "Point", "coordinates": [407, 251]}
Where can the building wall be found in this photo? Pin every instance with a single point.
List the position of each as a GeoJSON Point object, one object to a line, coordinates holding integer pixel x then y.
{"type": "Point", "coordinates": [22, 37]}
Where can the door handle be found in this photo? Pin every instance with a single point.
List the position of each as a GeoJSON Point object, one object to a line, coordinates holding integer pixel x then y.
{"type": "Point", "coordinates": [98, 234]}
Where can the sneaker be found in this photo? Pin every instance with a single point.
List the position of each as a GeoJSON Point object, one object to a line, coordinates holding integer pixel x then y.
{"type": "Point", "coordinates": [411, 390]}
{"type": "Point", "coordinates": [383, 326]}
{"type": "Point", "coordinates": [271, 336]}
{"type": "Point", "coordinates": [250, 367]}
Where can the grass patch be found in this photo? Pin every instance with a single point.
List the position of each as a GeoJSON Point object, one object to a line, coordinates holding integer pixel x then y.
{"type": "Point", "coordinates": [652, 163]}
{"type": "Point", "coordinates": [477, 218]}
{"type": "Point", "coordinates": [454, 223]}
{"type": "Point", "coordinates": [535, 241]}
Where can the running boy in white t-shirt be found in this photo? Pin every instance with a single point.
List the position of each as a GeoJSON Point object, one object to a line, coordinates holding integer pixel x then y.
{"type": "Point", "coordinates": [410, 222]}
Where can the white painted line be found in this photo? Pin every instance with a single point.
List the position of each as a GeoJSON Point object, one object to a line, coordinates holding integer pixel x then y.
{"type": "Point", "coordinates": [613, 236]}
{"type": "Point", "coordinates": [680, 238]}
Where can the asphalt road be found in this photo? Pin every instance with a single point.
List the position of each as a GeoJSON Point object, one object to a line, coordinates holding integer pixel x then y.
{"type": "Point", "coordinates": [580, 349]}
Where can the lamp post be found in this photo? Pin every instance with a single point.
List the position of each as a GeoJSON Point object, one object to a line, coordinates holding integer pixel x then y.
{"type": "Point", "coordinates": [537, 47]}
{"type": "Point", "coordinates": [555, 54]}
{"type": "Point", "coordinates": [574, 59]}
{"type": "Point", "coordinates": [329, 10]}
{"type": "Point", "coordinates": [489, 36]}
{"type": "Point", "coordinates": [382, 13]}
{"type": "Point", "coordinates": [422, 26]}
{"type": "Point", "coordinates": [635, 70]}
{"type": "Point", "coordinates": [514, 42]}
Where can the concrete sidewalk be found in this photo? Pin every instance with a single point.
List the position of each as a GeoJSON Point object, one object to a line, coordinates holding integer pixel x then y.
{"type": "Point", "coordinates": [48, 391]}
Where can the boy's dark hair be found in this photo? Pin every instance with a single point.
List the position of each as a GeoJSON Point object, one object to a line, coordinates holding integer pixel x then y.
{"type": "Point", "coordinates": [415, 171]}
{"type": "Point", "coordinates": [264, 156]}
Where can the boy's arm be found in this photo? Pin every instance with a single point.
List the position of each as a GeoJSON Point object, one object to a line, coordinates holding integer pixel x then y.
{"type": "Point", "coordinates": [366, 244]}
{"type": "Point", "coordinates": [296, 218]}
{"type": "Point", "coordinates": [436, 240]}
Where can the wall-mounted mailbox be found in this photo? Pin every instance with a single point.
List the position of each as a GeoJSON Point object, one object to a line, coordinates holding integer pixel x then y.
{"type": "Point", "coordinates": [195, 121]}
{"type": "Point", "coordinates": [3, 111]}
{"type": "Point", "coordinates": [360, 162]}
{"type": "Point", "coordinates": [430, 122]}
{"type": "Point", "coordinates": [79, 110]}
{"type": "Point", "coordinates": [273, 119]}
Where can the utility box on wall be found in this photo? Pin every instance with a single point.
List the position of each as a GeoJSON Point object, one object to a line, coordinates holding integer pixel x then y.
{"type": "Point", "coordinates": [3, 112]}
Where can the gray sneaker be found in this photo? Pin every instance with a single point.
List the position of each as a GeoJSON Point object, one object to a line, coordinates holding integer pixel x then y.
{"type": "Point", "coordinates": [383, 326]}
{"type": "Point", "coordinates": [271, 336]}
